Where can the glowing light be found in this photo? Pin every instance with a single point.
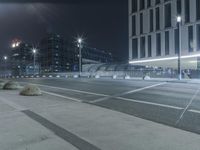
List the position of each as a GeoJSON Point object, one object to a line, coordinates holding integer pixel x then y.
{"type": "Point", "coordinates": [80, 40]}
{"type": "Point", "coordinates": [179, 19]}
{"type": "Point", "coordinates": [153, 60]}
{"type": "Point", "coordinates": [5, 57]}
{"type": "Point", "coordinates": [13, 45]}
{"type": "Point", "coordinates": [163, 59]}
{"type": "Point", "coordinates": [34, 50]}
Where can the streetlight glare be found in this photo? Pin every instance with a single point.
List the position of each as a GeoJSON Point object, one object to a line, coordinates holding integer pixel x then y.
{"type": "Point", "coordinates": [80, 40]}
{"type": "Point", "coordinates": [17, 44]}
{"type": "Point", "coordinates": [34, 50]}
{"type": "Point", "coordinates": [13, 45]}
{"type": "Point", "coordinates": [5, 57]}
{"type": "Point", "coordinates": [179, 18]}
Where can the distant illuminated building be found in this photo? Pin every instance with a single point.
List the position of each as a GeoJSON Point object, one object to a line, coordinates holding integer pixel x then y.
{"type": "Point", "coordinates": [21, 58]}
{"type": "Point", "coordinates": [154, 34]}
{"type": "Point", "coordinates": [89, 56]}
{"type": "Point", "coordinates": [59, 55]}
{"type": "Point", "coordinates": [95, 55]}
{"type": "Point", "coordinates": [52, 54]}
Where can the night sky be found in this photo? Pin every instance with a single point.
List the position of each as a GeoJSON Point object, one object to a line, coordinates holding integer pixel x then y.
{"type": "Point", "coordinates": [103, 24]}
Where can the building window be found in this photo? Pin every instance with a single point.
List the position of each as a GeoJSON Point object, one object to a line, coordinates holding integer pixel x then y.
{"type": "Point", "coordinates": [166, 0]}
{"type": "Point", "coordinates": [178, 7]}
{"type": "Point", "coordinates": [141, 23]}
{"type": "Point", "coordinates": [158, 44]}
{"type": "Point", "coordinates": [157, 18]}
{"type": "Point", "coordinates": [142, 47]}
{"type": "Point", "coordinates": [148, 3]}
{"type": "Point", "coordinates": [134, 6]}
{"type": "Point", "coordinates": [190, 39]}
{"type": "Point", "coordinates": [135, 48]}
{"type": "Point", "coordinates": [149, 46]}
{"type": "Point", "coordinates": [198, 9]}
{"type": "Point", "coordinates": [176, 40]}
{"type": "Point", "coordinates": [167, 43]}
{"type": "Point", "coordinates": [187, 11]}
{"type": "Point", "coordinates": [157, 2]}
{"type": "Point", "coordinates": [198, 37]}
{"type": "Point", "coordinates": [134, 25]}
{"type": "Point", "coordinates": [142, 4]}
{"type": "Point", "coordinates": [167, 15]}
{"type": "Point", "coordinates": [151, 20]}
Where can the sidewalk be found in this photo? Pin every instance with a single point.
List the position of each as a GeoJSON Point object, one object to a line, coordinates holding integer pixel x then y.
{"type": "Point", "coordinates": [103, 128]}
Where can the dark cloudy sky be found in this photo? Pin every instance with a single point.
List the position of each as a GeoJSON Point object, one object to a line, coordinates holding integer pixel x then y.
{"type": "Point", "coordinates": [103, 24]}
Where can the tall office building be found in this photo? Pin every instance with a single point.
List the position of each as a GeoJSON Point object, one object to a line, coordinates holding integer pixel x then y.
{"type": "Point", "coordinates": [154, 33]}
{"type": "Point", "coordinates": [53, 54]}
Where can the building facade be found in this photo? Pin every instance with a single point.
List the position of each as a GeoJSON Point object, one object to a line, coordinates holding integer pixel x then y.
{"type": "Point", "coordinates": [154, 34]}
{"type": "Point", "coordinates": [93, 55]}
{"type": "Point", "coordinates": [89, 56]}
{"type": "Point", "coordinates": [53, 54]}
{"type": "Point", "coordinates": [59, 55]}
{"type": "Point", "coordinates": [21, 59]}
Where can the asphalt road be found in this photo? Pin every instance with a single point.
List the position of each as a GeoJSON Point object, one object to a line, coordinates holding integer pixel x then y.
{"type": "Point", "coordinates": [172, 104]}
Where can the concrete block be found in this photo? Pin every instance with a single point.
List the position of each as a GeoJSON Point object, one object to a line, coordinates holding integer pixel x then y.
{"type": "Point", "coordinates": [11, 85]}
{"type": "Point", "coordinates": [31, 90]}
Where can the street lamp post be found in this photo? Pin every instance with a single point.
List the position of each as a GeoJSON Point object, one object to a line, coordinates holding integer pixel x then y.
{"type": "Point", "coordinates": [179, 21]}
{"type": "Point", "coordinates": [5, 60]}
{"type": "Point", "coordinates": [34, 54]}
{"type": "Point", "coordinates": [80, 55]}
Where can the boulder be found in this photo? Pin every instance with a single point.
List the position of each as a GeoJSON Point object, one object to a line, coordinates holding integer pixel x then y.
{"type": "Point", "coordinates": [127, 77]}
{"type": "Point", "coordinates": [114, 76]}
{"type": "Point", "coordinates": [11, 85]}
{"type": "Point", "coordinates": [97, 76]}
{"type": "Point", "coordinates": [76, 76]}
{"type": "Point", "coordinates": [31, 90]}
{"type": "Point", "coordinates": [146, 77]}
{"type": "Point", "coordinates": [2, 83]}
{"type": "Point", "coordinates": [58, 76]}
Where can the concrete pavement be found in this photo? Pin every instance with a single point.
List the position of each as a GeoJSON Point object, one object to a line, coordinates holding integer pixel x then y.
{"type": "Point", "coordinates": [50, 116]}
{"type": "Point", "coordinates": [170, 103]}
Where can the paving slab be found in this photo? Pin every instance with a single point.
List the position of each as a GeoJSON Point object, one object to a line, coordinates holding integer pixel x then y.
{"type": "Point", "coordinates": [19, 132]}
{"type": "Point", "coordinates": [103, 128]}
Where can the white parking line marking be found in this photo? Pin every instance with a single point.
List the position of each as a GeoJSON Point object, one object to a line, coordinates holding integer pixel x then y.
{"type": "Point", "coordinates": [194, 111]}
{"type": "Point", "coordinates": [186, 108]}
{"type": "Point", "coordinates": [66, 89]}
{"type": "Point", "coordinates": [61, 96]}
{"type": "Point", "coordinates": [129, 92]}
{"type": "Point", "coordinates": [150, 103]}
{"type": "Point", "coordinates": [141, 89]}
